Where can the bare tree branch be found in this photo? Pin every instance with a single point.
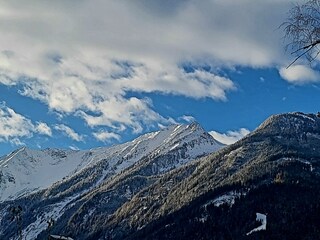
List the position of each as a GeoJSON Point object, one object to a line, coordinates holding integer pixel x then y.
{"type": "Point", "coordinates": [302, 30]}
{"type": "Point", "coordinates": [299, 56]}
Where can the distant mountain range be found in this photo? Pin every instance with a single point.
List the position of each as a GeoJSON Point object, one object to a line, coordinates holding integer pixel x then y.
{"type": "Point", "coordinates": [178, 183]}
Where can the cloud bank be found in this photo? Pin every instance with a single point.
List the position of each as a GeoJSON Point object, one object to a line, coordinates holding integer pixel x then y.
{"type": "Point", "coordinates": [105, 136]}
{"type": "Point", "coordinates": [14, 126]}
{"type": "Point", "coordinates": [230, 136]}
{"type": "Point", "coordinates": [88, 58]}
{"type": "Point", "coordinates": [299, 74]}
{"type": "Point", "coordinates": [69, 132]}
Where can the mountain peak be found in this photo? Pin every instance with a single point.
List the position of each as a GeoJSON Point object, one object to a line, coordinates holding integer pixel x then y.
{"type": "Point", "coordinates": [195, 126]}
{"type": "Point", "coordinates": [297, 121]}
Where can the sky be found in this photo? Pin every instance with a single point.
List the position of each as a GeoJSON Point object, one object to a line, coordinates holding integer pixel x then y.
{"type": "Point", "coordinates": [90, 73]}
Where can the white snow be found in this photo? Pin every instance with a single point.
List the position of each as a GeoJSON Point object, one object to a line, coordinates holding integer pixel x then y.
{"type": "Point", "coordinates": [61, 237]}
{"type": "Point", "coordinates": [304, 116]}
{"type": "Point", "coordinates": [307, 163]}
{"type": "Point", "coordinates": [260, 218]}
{"type": "Point", "coordinates": [25, 171]}
{"type": "Point", "coordinates": [29, 170]}
{"type": "Point", "coordinates": [228, 198]}
{"type": "Point", "coordinates": [9, 157]}
{"type": "Point", "coordinates": [53, 211]}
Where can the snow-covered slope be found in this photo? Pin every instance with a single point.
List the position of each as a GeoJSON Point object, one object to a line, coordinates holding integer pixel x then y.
{"type": "Point", "coordinates": [24, 170]}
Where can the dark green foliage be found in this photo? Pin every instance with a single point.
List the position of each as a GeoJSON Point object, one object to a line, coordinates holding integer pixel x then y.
{"type": "Point", "coordinates": [280, 151]}
{"type": "Point", "coordinates": [293, 213]}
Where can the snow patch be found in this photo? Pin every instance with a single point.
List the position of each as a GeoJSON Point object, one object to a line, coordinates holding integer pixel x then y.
{"type": "Point", "coordinates": [304, 161]}
{"type": "Point", "coordinates": [228, 198]}
{"type": "Point", "coordinates": [304, 116]}
{"type": "Point", "coordinates": [61, 237]}
{"type": "Point", "coordinates": [260, 218]}
{"type": "Point", "coordinates": [53, 212]}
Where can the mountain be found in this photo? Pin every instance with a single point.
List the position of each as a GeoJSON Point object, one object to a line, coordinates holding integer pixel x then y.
{"type": "Point", "coordinates": [53, 183]}
{"type": "Point", "coordinates": [25, 171]}
{"type": "Point", "coordinates": [273, 172]}
{"type": "Point", "coordinates": [265, 186]}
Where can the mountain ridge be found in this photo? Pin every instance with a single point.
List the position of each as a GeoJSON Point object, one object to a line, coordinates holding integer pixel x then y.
{"type": "Point", "coordinates": [121, 167]}
{"type": "Point", "coordinates": [260, 159]}
{"type": "Point", "coordinates": [73, 161]}
{"type": "Point", "coordinates": [177, 192]}
{"type": "Point", "coordinates": [281, 159]}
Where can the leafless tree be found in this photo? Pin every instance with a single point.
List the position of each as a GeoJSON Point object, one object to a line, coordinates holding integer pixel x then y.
{"type": "Point", "coordinates": [302, 30]}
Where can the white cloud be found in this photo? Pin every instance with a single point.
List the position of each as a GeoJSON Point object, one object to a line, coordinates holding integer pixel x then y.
{"type": "Point", "coordinates": [116, 112]}
{"type": "Point", "coordinates": [299, 74]}
{"type": "Point", "coordinates": [75, 59]}
{"type": "Point", "coordinates": [69, 132]}
{"type": "Point", "coordinates": [43, 128]}
{"type": "Point", "coordinates": [17, 142]}
{"type": "Point", "coordinates": [105, 136]}
{"type": "Point", "coordinates": [230, 136]}
{"type": "Point", "coordinates": [74, 148]}
{"type": "Point", "coordinates": [187, 118]}
{"type": "Point", "coordinates": [14, 126]}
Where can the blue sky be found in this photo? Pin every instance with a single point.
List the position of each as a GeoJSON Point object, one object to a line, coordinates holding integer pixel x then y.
{"type": "Point", "coordinates": [83, 74]}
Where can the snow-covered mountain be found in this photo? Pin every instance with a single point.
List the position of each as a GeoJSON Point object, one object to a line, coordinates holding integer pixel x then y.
{"type": "Point", "coordinates": [51, 182]}
{"type": "Point", "coordinates": [25, 170]}
{"type": "Point", "coordinates": [159, 187]}
{"type": "Point", "coordinates": [273, 173]}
